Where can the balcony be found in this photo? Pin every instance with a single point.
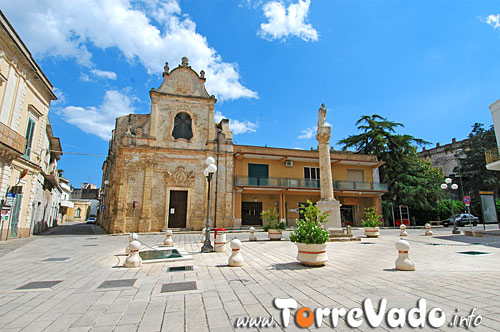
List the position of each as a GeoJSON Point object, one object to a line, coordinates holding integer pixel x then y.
{"type": "Point", "coordinates": [492, 159]}
{"type": "Point", "coordinates": [243, 181]}
{"type": "Point", "coordinates": [12, 144]}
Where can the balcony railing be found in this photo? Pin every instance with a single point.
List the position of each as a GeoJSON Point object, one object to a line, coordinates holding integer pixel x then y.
{"type": "Point", "coordinates": [304, 183]}
{"type": "Point", "coordinates": [12, 139]}
{"type": "Point", "coordinates": [492, 155]}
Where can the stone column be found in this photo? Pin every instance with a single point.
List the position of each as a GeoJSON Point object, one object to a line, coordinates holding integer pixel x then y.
{"type": "Point", "coordinates": [327, 203]}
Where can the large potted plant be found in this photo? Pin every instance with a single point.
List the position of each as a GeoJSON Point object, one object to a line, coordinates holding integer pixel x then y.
{"type": "Point", "coordinates": [272, 226]}
{"type": "Point", "coordinates": [311, 237]}
{"type": "Point", "coordinates": [371, 222]}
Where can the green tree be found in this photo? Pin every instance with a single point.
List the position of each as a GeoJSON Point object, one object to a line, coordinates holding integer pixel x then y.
{"type": "Point", "coordinates": [411, 181]}
{"type": "Point", "coordinates": [473, 170]}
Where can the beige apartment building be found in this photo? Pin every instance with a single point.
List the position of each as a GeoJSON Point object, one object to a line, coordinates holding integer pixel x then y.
{"type": "Point", "coordinates": [157, 160]}
{"type": "Point", "coordinates": [29, 151]}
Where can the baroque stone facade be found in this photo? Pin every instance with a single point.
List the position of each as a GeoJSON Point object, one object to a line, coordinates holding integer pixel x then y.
{"type": "Point", "coordinates": [158, 159]}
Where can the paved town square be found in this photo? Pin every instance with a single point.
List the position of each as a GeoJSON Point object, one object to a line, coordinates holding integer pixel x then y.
{"type": "Point", "coordinates": [91, 291]}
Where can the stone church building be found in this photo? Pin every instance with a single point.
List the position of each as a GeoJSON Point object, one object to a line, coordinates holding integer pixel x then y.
{"type": "Point", "coordinates": [158, 159]}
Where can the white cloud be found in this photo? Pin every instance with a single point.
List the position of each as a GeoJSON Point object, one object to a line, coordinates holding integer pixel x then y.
{"type": "Point", "coordinates": [109, 75]}
{"type": "Point", "coordinates": [99, 120]}
{"type": "Point", "coordinates": [308, 133]}
{"type": "Point", "coordinates": [311, 132]}
{"type": "Point", "coordinates": [66, 29]}
{"type": "Point", "coordinates": [285, 22]}
{"type": "Point", "coordinates": [237, 127]}
{"type": "Point", "coordinates": [493, 20]}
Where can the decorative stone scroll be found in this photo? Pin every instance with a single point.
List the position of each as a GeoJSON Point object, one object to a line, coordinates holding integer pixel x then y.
{"type": "Point", "coordinates": [179, 176]}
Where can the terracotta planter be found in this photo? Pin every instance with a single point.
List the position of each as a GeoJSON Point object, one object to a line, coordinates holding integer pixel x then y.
{"type": "Point", "coordinates": [274, 234]}
{"type": "Point", "coordinates": [312, 254]}
{"type": "Point", "coordinates": [372, 232]}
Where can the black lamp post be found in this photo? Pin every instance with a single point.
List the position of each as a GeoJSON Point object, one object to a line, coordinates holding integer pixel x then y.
{"type": "Point", "coordinates": [453, 186]}
{"type": "Point", "coordinates": [208, 172]}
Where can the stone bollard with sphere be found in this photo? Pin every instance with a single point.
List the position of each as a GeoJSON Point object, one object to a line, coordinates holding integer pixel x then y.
{"type": "Point", "coordinates": [403, 230]}
{"type": "Point", "coordinates": [168, 239]}
{"type": "Point", "coordinates": [131, 237]}
{"type": "Point", "coordinates": [133, 259]}
{"type": "Point", "coordinates": [428, 229]}
{"type": "Point", "coordinates": [404, 262]}
{"type": "Point", "coordinates": [252, 236]}
{"type": "Point", "coordinates": [236, 259]}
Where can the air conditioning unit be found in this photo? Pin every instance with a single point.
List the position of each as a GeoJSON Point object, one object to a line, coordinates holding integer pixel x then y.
{"type": "Point", "coordinates": [288, 163]}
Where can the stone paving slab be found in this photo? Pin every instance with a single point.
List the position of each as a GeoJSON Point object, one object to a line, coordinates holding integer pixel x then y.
{"type": "Point", "coordinates": [354, 272]}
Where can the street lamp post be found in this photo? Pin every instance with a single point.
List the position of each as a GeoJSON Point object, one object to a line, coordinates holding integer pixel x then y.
{"type": "Point", "coordinates": [208, 172]}
{"type": "Point", "coordinates": [453, 186]}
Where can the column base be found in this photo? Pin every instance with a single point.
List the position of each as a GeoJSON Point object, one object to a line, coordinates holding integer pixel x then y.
{"type": "Point", "coordinates": [332, 207]}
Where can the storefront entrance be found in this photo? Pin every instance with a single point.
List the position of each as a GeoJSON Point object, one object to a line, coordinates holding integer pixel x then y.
{"type": "Point", "coordinates": [250, 213]}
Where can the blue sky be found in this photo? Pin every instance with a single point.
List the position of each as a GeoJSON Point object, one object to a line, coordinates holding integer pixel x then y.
{"type": "Point", "coordinates": [431, 65]}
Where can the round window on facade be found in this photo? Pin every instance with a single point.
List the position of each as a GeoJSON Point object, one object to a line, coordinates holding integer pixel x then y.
{"type": "Point", "coordinates": [182, 126]}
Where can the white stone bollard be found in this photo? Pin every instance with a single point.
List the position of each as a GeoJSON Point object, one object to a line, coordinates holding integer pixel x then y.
{"type": "Point", "coordinates": [220, 242]}
{"type": "Point", "coordinates": [403, 230]}
{"type": "Point", "coordinates": [168, 238]}
{"type": "Point", "coordinates": [133, 259]}
{"type": "Point", "coordinates": [203, 232]}
{"type": "Point", "coordinates": [236, 259]}
{"type": "Point", "coordinates": [404, 262]}
{"type": "Point", "coordinates": [252, 236]}
{"type": "Point", "coordinates": [131, 237]}
{"type": "Point", "coordinates": [428, 229]}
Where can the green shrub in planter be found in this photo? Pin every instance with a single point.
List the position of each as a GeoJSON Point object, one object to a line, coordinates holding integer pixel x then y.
{"type": "Point", "coordinates": [270, 217]}
{"type": "Point", "coordinates": [310, 230]}
{"type": "Point", "coordinates": [372, 219]}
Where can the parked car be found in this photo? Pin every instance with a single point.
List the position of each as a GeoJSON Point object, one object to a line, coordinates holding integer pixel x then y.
{"type": "Point", "coordinates": [91, 220]}
{"type": "Point", "coordinates": [461, 220]}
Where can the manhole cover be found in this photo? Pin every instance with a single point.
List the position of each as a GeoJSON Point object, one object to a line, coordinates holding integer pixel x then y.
{"type": "Point", "coordinates": [56, 259]}
{"type": "Point", "coordinates": [90, 245]}
{"type": "Point", "coordinates": [180, 268]}
{"type": "Point", "coordinates": [91, 238]}
{"type": "Point", "coordinates": [117, 283]}
{"type": "Point", "coordinates": [366, 243]}
{"type": "Point", "coordinates": [178, 286]}
{"type": "Point", "coordinates": [40, 284]}
{"type": "Point", "coordinates": [473, 253]}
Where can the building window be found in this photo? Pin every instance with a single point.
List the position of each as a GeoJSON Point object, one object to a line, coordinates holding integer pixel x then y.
{"type": "Point", "coordinates": [182, 126]}
{"type": "Point", "coordinates": [355, 175]}
{"type": "Point", "coordinates": [311, 173]}
{"type": "Point", "coordinates": [78, 213]}
{"type": "Point", "coordinates": [30, 131]}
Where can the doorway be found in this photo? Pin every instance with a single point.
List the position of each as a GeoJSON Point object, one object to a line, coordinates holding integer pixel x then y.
{"type": "Point", "coordinates": [347, 215]}
{"type": "Point", "coordinates": [177, 210]}
{"type": "Point", "coordinates": [250, 213]}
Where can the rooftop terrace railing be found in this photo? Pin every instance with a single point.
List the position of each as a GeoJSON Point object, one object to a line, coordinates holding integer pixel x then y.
{"type": "Point", "coordinates": [306, 184]}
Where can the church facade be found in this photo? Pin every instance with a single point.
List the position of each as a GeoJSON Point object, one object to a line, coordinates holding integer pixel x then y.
{"type": "Point", "coordinates": [157, 160]}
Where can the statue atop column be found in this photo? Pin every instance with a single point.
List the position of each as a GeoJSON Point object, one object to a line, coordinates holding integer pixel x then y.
{"type": "Point", "coordinates": [321, 116]}
{"type": "Point", "coordinates": [327, 203]}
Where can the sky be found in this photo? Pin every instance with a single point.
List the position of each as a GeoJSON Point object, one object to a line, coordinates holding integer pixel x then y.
{"type": "Point", "coordinates": [431, 65]}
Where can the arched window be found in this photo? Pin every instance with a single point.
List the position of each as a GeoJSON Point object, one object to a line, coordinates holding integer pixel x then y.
{"type": "Point", "coordinates": [182, 126]}
{"type": "Point", "coordinates": [78, 212]}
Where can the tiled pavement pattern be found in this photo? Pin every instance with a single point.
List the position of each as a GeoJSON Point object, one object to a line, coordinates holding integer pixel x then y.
{"type": "Point", "coordinates": [354, 272]}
